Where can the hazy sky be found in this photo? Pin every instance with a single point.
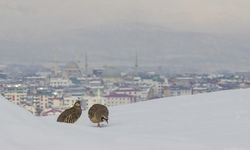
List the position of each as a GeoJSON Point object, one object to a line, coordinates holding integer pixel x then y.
{"type": "Point", "coordinates": [46, 16]}
{"type": "Point", "coordinates": [32, 26]}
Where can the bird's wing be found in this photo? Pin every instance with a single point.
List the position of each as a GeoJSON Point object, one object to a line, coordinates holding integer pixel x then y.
{"type": "Point", "coordinates": [69, 118]}
{"type": "Point", "coordinates": [63, 115]}
{"type": "Point", "coordinates": [92, 111]}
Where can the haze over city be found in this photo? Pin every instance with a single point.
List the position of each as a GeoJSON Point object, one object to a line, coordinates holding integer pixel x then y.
{"type": "Point", "coordinates": [176, 34]}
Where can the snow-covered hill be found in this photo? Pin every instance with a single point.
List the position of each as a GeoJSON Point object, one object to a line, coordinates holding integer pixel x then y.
{"type": "Point", "coordinates": [214, 121]}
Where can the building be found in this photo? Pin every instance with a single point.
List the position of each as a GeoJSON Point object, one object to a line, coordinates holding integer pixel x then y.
{"type": "Point", "coordinates": [181, 81]}
{"type": "Point", "coordinates": [179, 91]}
{"type": "Point", "coordinates": [43, 101]}
{"type": "Point", "coordinates": [94, 99]}
{"type": "Point", "coordinates": [17, 95]}
{"type": "Point", "coordinates": [126, 91]}
{"type": "Point", "coordinates": [198, 90]}
{"type": "Point", "coordinates": [59, 82]}
{"type": "Point", "coordinates": [72, 70]}
{"type": "Point", "coordinates": [156, 88]}
{"type": "Point", "coordinates": [97, 72]}
{"type": "Point", "coordinates": [57, 102]}
{"type": "Point", "coordinates": [139, 94]}
{"type": "Point", "coordinates": [115, 99]}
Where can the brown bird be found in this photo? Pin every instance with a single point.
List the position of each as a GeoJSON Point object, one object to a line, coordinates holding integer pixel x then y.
{"type": "Point", "coordinates": [72, 114]}
{"type": "Point", "coordinates": [98, 113]}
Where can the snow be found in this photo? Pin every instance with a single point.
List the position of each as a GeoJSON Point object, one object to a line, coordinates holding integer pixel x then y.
{"type": "Point", "coordinates": [212, 121]}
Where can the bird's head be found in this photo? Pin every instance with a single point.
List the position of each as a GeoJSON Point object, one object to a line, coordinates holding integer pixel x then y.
{"type": "Point", "coordinates": [77, 104]}
{"type": "Point", "coordinates": [104, 118]}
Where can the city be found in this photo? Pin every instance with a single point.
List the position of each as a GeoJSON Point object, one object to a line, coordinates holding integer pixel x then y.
{"type": "Point", "coordinates": [45, 91]}
{"type": "Point", "coordinates": [125, 74]}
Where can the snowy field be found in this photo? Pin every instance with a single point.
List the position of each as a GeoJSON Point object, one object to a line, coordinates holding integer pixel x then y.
{"type": "Point", "coordinates": [213, 121]}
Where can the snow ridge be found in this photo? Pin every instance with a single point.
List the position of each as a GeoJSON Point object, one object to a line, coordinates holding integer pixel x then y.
{"type": "Point", "coordinates": [212, 121]}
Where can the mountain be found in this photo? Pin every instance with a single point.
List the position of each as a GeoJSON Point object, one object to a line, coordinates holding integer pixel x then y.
{"type": "Point", "coordinates": [213, 121]}
{"type": "Point", "coordinates": [117, 45]}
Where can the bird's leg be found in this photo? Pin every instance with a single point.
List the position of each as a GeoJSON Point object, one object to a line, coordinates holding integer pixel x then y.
{"type": "Point", "coordinates": [98, 125]}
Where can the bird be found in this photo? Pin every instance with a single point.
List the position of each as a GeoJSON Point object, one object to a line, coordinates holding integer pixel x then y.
{"type": "Point", "coordinates": [98, 113]}
{"type": "Point", "coordinates": [72, 114]}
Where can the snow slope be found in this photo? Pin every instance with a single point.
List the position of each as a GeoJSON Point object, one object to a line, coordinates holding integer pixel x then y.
{"type": "Point", "coordinates": [214, 121]}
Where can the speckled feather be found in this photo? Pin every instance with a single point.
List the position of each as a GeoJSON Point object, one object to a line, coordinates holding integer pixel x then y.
{"type": "Point", "coordinates": [70, 115]}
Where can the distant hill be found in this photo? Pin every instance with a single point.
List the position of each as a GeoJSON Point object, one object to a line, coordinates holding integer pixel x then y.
{"type": "Point", "coordinates": [117, 45]}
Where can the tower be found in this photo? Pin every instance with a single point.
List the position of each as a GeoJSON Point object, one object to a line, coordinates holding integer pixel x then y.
{"type": "Point", "coordinates": [86, 64]}
{"type": "Point", "coordinates": [136, 64]}
{"type": "Point", "coordinates": [56, 71]}
{"type": "Point", "coordinates": [99, 99]}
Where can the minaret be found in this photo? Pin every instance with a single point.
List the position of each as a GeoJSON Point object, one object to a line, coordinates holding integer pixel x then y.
{"type": "Point", "coordinates": [136, 64]}
{"type": "Point", "coordinates": [80, 62]}
{"type": "Point", "coordinates": [99, 99]}
{"type": "Point", "coordinates": [86, 64]}
{"type": "Point", "coordinates": [55, 63]}
{"type": "Point", "coordinates": [78, 58]}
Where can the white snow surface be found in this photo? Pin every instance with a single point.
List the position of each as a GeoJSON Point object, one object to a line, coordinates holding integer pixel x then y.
{"type": "Point", "coordinates": [213, 121]}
